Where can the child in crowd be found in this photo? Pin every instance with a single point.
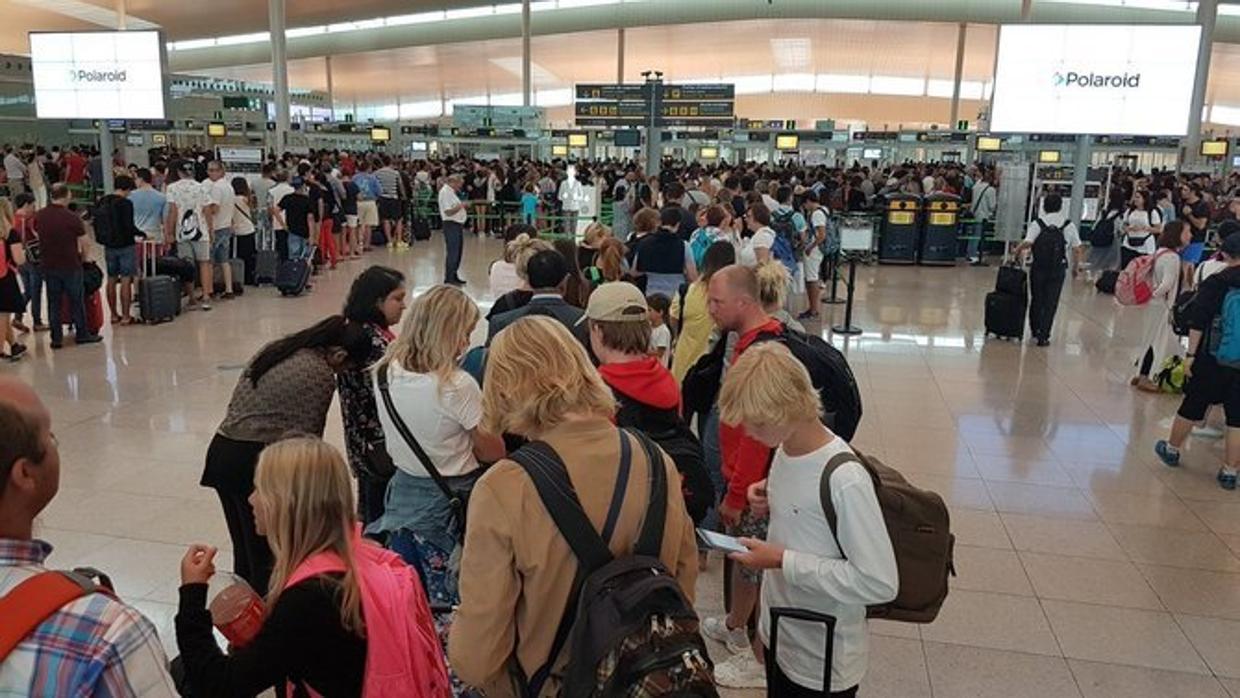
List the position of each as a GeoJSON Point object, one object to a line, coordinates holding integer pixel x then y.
{"type": "Point", "coordinates": [529, 204]}
{"type": "Point", "coordinates": [661, 336]}
{"type": "Point", "coordinates": [808, 566]}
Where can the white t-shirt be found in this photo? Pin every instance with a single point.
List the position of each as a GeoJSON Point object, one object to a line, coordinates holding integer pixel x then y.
{"type": "Point", "coordinates": [439, 419]}
{"type": "Point", "coordinates": [188, 195]}
{"type": "Point", "coordinates": [1134, 219]}
{"type": "Point", "coordinates": [448, 199]}
{"type": "Point", "coordinates": [220, 193]}
{"type": "Point", "coordinates": [243, 217]}
{"type": "Point", "coordinates": [661, 338]}
{"type": "Point", "coordinates": [504, 278]}
{"type": "Point", "coordinates": [276, 194]}
{"type": "Point", "coordinates": [746, 251]}
{"type": "Point", "coordinates": [816, 575]}
{"type": "Point", "coordinates": [817, 219]}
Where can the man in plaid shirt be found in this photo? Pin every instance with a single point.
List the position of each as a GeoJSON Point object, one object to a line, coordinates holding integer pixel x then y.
{"type": "Point", "coordinates": [93, 646]}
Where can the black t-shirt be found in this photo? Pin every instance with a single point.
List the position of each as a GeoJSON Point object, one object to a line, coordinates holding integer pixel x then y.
{"type": "Point", "coordinates": [1200, 210]}
{"type": "Point", "coordinates": [296, 207]}
{"type": "Point", "coordinates": [315, 194]}
{"type": "Point", "coordinates": [349, 205]}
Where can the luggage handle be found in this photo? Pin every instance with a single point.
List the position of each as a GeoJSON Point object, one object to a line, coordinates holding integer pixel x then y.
{"type": "Point", "coordinates": [803, 615]}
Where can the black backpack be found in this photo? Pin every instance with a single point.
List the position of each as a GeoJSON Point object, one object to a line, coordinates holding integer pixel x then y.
{"type": "Point", "coordinates": [104, 220]}
{"type": "Point", "coordinates": [629, 628]}
{"type": "Point", "coordinates": [831, 375]}
{"type": "Point", "coordinates": [1103, 234]}
{"type": "Point", "coordinates": [668, 429]}
{"type": "Point", "coordinates": [1049, 247]}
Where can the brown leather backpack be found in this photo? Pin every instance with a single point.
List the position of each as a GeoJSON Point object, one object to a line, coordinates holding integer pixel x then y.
{"type": "Point", "coordinates": [918, 524]}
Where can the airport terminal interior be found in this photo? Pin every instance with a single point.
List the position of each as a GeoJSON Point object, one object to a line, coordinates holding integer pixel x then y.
{"type": "Point", "coordinates": [1094, 557]}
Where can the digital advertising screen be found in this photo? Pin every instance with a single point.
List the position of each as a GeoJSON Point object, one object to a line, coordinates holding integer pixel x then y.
{"type": "Point", "coordinates": [1097, 79]}
{"type": "Point", "coordinates": [578, 140]}
{"type": "Point", "coordinates": [1048, 156]}
{"type": "Point", "coordinates": [1214, 148]}
{"type": "Point", "coordinates": [787, 141]}
{"type": "Point", "coordinates": [98, 75]}
{"type": "Point", "coordinates": [380, 134]}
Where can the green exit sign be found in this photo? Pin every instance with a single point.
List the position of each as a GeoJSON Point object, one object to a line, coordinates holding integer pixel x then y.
{"type": "Point", "coordinates": [962, 125]}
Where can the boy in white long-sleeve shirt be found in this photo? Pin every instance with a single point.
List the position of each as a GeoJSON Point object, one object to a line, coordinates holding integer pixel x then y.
{"type": "Point", "coordinates": [770, 394]}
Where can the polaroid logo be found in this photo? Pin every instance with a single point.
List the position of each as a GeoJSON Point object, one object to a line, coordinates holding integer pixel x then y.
{"type": "Point", "coordinates": [98, 75]}
{"type": "Point", "coordinates": [1072, 78]}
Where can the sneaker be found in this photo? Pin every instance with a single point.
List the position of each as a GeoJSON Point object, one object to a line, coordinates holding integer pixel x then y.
{"type": "Point", "coordinates": [1168, 454]}
{"type": "Point", "coordinates": [204, 306]}
{"type": "Point", "coordinates": [1227, 479]}
{"type": "Point", "coordinates": [1042, 342]}
{"type": "Point", "coordinates": [808, 315]}
{"type": "Point", "coordinates": [741, 671]}
{"type": "Point", "coordinates": [736, 640]}
{"type": "Point", "coordinates": [1208, 432]}
{"type": "Point", "coordinates": [16, 350]}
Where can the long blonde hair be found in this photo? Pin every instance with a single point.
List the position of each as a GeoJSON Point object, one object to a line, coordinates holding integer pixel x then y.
{"type": "Point", "coordinates": [537, 375]}
{"type": "Point", "coordinates": [437, 324]}
{"type": "Point", "coordinates": [307, 499]}
{"type": "Point", "coordinates": [7, 215]}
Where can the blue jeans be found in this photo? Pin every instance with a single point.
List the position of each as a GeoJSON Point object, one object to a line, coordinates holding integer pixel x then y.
{"type": "Point", "coordinates": [453, 240]}
{"type": "Point", "coordinates": [298, 247]}
{"type": "Point", "coordinates": [975, 245]}
{"type": "Point", "coordinates": [708, 431]}
{"type": "Point", "coordinates": [32, 286]}
{"type": "Point", "coordinates": [69, 283]}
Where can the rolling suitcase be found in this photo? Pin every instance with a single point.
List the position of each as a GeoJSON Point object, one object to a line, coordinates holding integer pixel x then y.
{"type": "Point", "coordinates": [1011, 280]}
{"type": "Point", "coordinates": [293, 276]}
{"type": "Point", "coordinates": [238, 273]}
{"type": "Point", "coordinates": [93, 303]}
{"type": "Point", "coordinates": [421, 228]}
{"type": "Point", "coordinates": [159, 296]}
{"type": "Point", "coordinates": [1005, 315]}
{"type": "Point", "coordinates": [777, 683]}
{"type": "Point", "coordinates": [266, 258]}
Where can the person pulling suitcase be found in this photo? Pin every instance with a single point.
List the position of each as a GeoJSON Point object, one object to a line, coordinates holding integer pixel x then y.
{"type": "Point", "coordinates": [1056, 246]}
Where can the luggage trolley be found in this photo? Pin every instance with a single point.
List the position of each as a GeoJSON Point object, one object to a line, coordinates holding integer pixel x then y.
{"type": "Point", "coordinates": [898, 244]}
{"type": "Point", "coordinates": [938, 241]}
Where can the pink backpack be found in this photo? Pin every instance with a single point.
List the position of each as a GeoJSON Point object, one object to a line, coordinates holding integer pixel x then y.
{"type": "Point", "coordinates": [403, 653]}
{"type": "Point", "coordinates": [1135, 285]}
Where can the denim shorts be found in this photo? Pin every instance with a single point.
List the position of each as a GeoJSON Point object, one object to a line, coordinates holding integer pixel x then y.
{"type": "Point", "coordinates": [221, 245]}
{"type": "Point", "coordinates": [121, 261]}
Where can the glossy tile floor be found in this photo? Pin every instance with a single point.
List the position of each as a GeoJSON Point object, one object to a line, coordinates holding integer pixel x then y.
{"type": "Point", "coordinates": [1086, 567]}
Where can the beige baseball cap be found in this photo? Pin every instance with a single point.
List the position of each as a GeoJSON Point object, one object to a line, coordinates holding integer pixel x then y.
{"type": "Point", "coordinates": [616, 301]}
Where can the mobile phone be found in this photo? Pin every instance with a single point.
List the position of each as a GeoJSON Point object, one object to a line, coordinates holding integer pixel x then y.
{"type": "Point", "coordinates": [718, 541]}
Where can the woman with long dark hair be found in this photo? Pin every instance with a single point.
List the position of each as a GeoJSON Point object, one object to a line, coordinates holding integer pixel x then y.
{"type": "Point", "coordinates": [286, 389]}
{"type": "Point", "coordinates": [376, 301]}
{"type": "Point", "coordinates": [1142, 223]}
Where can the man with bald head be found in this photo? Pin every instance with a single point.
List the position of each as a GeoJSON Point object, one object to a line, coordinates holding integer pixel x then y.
{"type": "Point", "coordinates": [733, 303]}
{"type": "Point", "coordinates": [88, 643]}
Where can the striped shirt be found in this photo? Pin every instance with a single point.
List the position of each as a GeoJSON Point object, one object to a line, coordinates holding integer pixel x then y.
{"type": "Point", "coordinates": [94, 646]}
{"type": "Point", "coordinates": [389, 182]}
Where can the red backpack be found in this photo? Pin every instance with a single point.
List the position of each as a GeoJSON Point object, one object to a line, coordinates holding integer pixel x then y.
{"type": "Point", "coordinates": [1135, 285]}
{"type": "Point", "coordinates": [34, 600]}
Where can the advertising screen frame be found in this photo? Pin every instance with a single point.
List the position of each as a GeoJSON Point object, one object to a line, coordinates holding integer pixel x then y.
{"type": "Point", "coordinates": [164, 76]}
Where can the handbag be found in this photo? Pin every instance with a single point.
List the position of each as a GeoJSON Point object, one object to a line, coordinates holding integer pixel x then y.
{"type": "Point", "coordinates": [458, 500]}
{"type": "Point", "coordinates": [376, 462]}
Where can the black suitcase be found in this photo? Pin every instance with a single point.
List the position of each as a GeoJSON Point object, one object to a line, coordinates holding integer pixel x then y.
{"type": "Point", "coordinates": [266, 258]}
{"type": "Point", "coordinates": [294, 275]}
{"type": "Point", "coordinates": [159, 296]}
{"type": "Point", "coordinates": [1011, 280]}
{"type": "Point", "coordinates": [777, 683]}
{"type": "Point", "coordinates": [238, 277]}
{"type": "Point", "coordinates": [421, 228]}
{"type": "Point", "coordinates": [1106, 281]}
{"type": "Point", "coordinates": [1005, 315]}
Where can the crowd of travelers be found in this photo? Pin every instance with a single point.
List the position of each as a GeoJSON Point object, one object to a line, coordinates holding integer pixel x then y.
{"type": "Point", "coordinates": [527, 517]}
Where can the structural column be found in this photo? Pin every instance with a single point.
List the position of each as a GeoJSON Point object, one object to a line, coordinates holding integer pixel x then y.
{"type": "Point", "coordinates": [1207, 13]}
{"type": "Point", "coordinates": [331, 94]}
{"type": "Point", "coordinates": [620, 56]}
{"type": "Point", "coordinates": [1026, 10]}
{"type": "Point", "coordinates": [1080, 171]}
{"type": "Point", "coordinates": [961, 31]}
{"type": "Point", "coordinates": [105, 135]}
{"type": "Point", "coordinates": [279, 70]}
{"type": "Point", "coordinates": [527, 96]}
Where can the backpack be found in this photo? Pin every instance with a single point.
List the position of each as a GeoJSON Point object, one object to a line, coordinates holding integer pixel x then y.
{"type": "Point", "coordinates": [667, 429]}
{"type": "Point", "coordinates": [831, 375]}
{"type": "Point", "coordinates": [788, 244]}
{"type": "Point", "coordinates": [27, 605]}
{"type": "Point", "coordinates": [1135, 285]}
{"type": "Point", "coordinates": [1103, 234]}
{"type": "Point", "coordinates": [699, 242]}
{"type": "Point", "coordinates": [103, 219]}
{"type": "Point", "coordinates": [919, 526]}
{"type": "Point", "coordinates": [1170, 377]}
{"type": "Point", "coordinates": [629, 628]}
{"type": "Point", "coordinates": [1225, 331]}
{"type": "Point", "coordinates": [1050, 247]}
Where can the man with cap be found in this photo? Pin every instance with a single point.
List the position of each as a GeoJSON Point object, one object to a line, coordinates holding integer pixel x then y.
{"type": "Point", "coordinates": [188, 228]}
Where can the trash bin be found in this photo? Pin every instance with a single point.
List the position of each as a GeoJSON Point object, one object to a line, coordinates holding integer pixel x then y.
{"type": "Point", "coordinates": [901, 217]}
{"type": "Point", "coordinates": [942, 219]}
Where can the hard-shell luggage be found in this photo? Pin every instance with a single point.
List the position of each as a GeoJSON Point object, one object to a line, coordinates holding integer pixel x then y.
{"type": "Point", "coordinates": [266, 257]}
{"type": "Point", "coordinates": [94, 311]}
{"type": "Point", "coordinates": [777, 683]}
{"type": "Point", "coordinates": [159, 296]}
{"type": "Point", "coordinates": [421, 228]}
{"type": "Point", "coordinates": [238, 277]}
{"type": "Point", "coordinates": [1106, 281]}
{"type": "Point", "coordinates": [1005, 315]}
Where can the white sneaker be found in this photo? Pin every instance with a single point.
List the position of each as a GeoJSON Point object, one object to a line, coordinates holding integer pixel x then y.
{"type": "Point", "coordinates": [740, 671]}
{"type": "Point", "coordinates": [716, 628]}
{"type": "Point", "coordinates": [1208, 432]}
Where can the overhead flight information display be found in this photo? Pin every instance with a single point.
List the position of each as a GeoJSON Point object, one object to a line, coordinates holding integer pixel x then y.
{"type": "Point", "coordinates": [1095, 79]}
{"type": "Point", "coordinates": [98, 75]}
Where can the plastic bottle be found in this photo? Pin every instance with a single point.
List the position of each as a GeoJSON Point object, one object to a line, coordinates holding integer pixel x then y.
{"type": "Point", "coordinates": [236, 609]}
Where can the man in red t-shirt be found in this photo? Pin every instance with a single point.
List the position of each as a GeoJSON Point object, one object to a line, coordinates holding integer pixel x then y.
{"type": "Point", "coordinates": [732, 300]}
{"type": "Point", "coordinates": [75, 166]}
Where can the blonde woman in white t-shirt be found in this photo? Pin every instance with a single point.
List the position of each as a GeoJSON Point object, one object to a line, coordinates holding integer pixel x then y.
{"type": "Point", "coordinates": [440, 407]}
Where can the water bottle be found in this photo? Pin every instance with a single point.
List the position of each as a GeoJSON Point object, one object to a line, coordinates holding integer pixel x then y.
{"type": "Point", "coordinates": [236, 609]}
